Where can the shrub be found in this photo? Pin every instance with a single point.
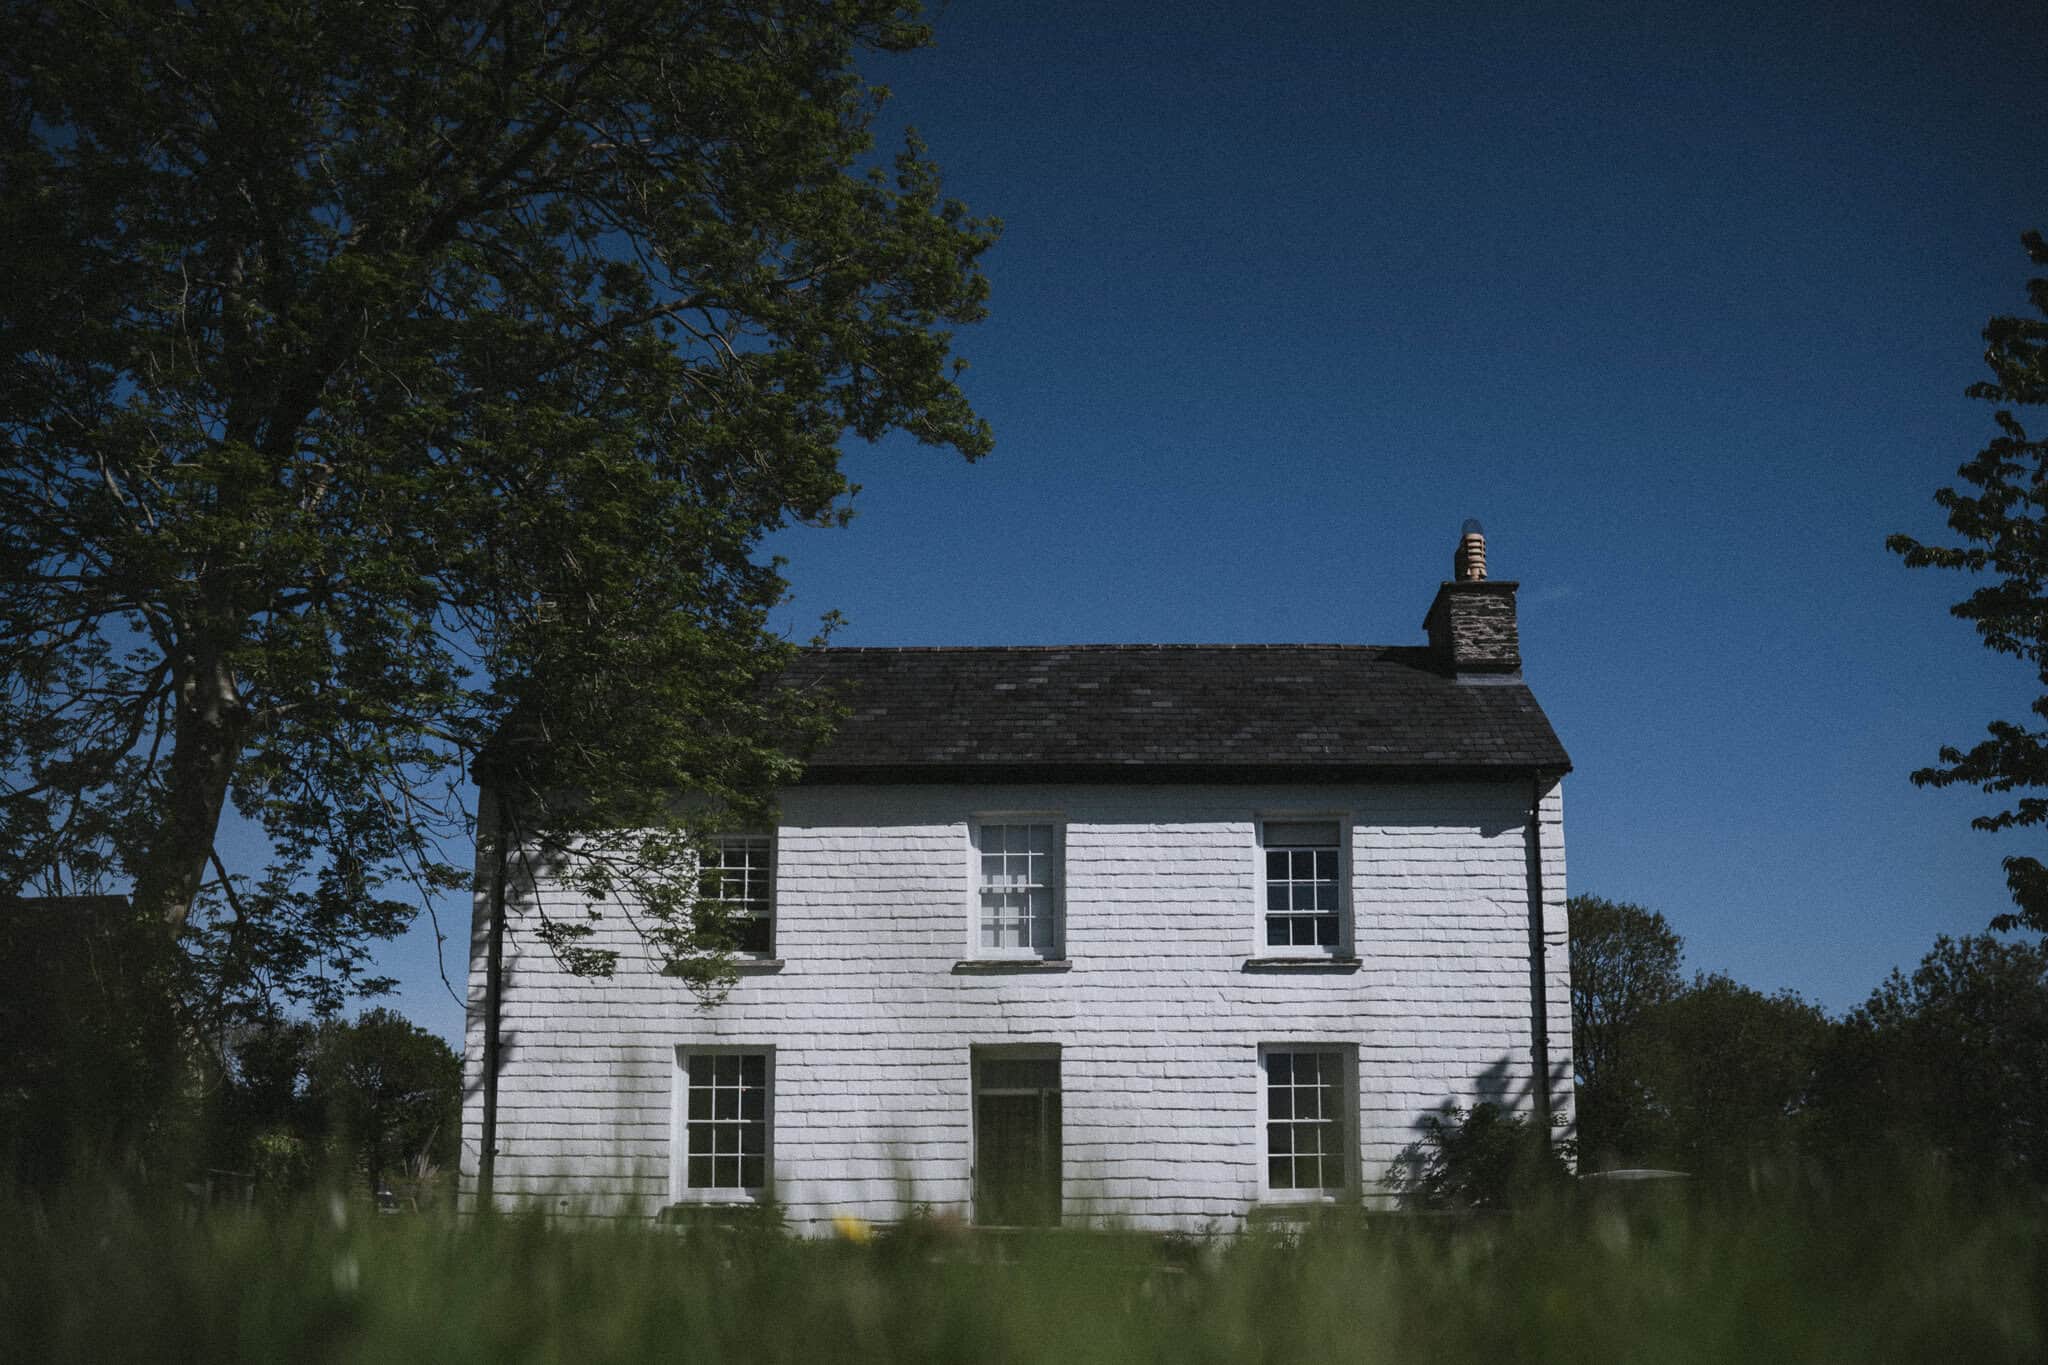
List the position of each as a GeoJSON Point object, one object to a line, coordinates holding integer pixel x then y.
{"type": "Point", "coordinates": [1481, 1158]}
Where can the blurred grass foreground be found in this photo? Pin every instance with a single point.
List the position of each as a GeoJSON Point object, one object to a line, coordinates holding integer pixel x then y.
{"type": "Point", "coordinates": [1610, 1276]}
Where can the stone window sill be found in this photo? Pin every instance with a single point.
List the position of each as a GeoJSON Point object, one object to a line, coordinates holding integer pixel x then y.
{"type": "Point", "coordinates": [757, 966]}
{"type": "Point", "coordinates": [996, 966]}
{"type": "Point", "coordinates": [1281, 1209]}
{"type": "Point", "coordinates": [1301, 964]}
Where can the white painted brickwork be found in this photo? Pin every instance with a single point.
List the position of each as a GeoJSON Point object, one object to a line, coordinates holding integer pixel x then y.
{"type": "Point", "coordinates": [1157, 1023]}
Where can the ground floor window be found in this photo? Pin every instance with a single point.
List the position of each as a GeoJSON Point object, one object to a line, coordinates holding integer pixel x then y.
{"type": "Point", "coordinates": [725, 1126]}
{"type": "Point", "coordinates": [1308, 1146]}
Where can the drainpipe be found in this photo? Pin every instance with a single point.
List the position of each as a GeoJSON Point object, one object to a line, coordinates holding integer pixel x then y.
{"type": "Point", "coordinates": [1539, 1001]}
{"type": "Point", "coordinates": [494, 965]}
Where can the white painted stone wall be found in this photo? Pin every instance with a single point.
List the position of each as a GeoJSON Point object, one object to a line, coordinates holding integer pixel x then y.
{"type": "Point", "coordinates": [1158, 1025]}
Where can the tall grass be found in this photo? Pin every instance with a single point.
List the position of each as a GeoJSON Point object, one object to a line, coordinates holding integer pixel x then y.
{"type": "Point", "coordinates": [1847, 1279]}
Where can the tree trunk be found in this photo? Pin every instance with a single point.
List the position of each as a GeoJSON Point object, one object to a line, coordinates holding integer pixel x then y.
{"type": "Point", "coordinates": [207, 734]}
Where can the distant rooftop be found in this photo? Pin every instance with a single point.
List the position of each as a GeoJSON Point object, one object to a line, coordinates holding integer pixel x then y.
{"type": "Point", "coordinates": [1173, 712]}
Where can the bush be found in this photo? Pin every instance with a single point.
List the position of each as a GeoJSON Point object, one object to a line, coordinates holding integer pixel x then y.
{"type": "Point", "coordinates": [1481, 1158]}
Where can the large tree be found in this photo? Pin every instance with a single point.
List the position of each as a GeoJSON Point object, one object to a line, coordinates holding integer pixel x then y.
{"type": "Point", "coordinates": [1624, 965]}
{"type": "Point", "coordinates": [1624, 969]}
{"type": "Point", "coordinates": [1953, 1058]}
{"type": "Point", "coordinates": [1732, 1072]}
{"type": "Point", "coordinates": [377, 371]}
{"type": "Point", "coordinates": [2000, 515]}
{"type": "Point", "coordinates": [364, 1098]}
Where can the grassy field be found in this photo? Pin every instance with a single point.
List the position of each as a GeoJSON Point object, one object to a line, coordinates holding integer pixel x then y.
{"type": "Point", "coordinates": [1846, 1279]}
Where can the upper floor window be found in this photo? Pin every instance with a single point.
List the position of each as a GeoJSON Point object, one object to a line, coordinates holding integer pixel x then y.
{"type": "Point", "coordinates": [1304, 885]}
{"type": "Point", "coordinates": [1017, 888]}
{"type": "Point", "coordinates": [739, 873]}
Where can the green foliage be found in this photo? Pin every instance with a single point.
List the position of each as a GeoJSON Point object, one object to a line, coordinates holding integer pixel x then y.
{"type": "Point", "coordinates": [371, 1100]}
{"type": "Point", "coordinates": [1624, 964]}
{"type": "Point", "coordinates": [378, 374]}
{"type": "Point", "coordinates": [1952, 1061]}
{"type": "Point", "coordinates": [281, 1163]}
{"type": "Point", "coordinates": [1624, 968]}
{"type": "Point", "coordinates": [1714, 1078]}
{"type": "Point", "coordinates": [1731, 1070]}
{"type": "Point", "coordinates": [1946, 1067]}
{"type": "Point", "coordinates": [2000, 514]}
{"type": "Point", "coordinates": [1480, 1159]}
{"type": "Point", "coordinates": [1878, 1274]}
{"type": "Point", "coordinates": [389, 1091]}
{"type": "Point", "coordinates": [89, 1081]}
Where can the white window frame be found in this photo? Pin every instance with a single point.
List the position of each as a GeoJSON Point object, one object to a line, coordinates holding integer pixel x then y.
{"type": "Point", "coordinates": [1056, 948]}
{"type": "Point", "coordinates": [1345, 944]}
{"type": "Point", "coordinates": [774, 882]}
{"type": "Point", "coordinates": [1349, 1165]}
{"type": "Point", "coordinates": [679, 1188]}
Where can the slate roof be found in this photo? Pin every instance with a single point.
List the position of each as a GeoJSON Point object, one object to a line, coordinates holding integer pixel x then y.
{"type": "Point", "coordinates": [1170, 712]}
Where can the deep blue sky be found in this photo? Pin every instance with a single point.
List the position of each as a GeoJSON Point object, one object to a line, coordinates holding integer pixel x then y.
{"type": "Point", "coordinates": [1680, 300]}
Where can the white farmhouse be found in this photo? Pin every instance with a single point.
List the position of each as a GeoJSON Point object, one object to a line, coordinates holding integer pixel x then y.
{"type": "Point", "coordinates": [1156, 936]}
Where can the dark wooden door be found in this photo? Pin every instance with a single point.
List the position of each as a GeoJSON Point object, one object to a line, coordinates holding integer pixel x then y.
{"type": "Point", "coordinates": [1017, 1142]}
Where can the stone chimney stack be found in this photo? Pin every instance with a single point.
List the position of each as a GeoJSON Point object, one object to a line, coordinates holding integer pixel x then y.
{"type": "Point", "coordinates": [1471, 624]}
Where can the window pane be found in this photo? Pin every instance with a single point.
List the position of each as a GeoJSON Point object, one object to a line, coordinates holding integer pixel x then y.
{"type": "Point", "coordinates": [727, 1104]}
{"type": "Point", "coordinates": [1305, 1128]}
{"type": "Point", "coordinates": [1326, 865]}
{"type": "Point", "coordinates": [1326, 931]}
{"type": "Point", "coordinates": [753, 1172]}
{"type": "Point", "coordinates": [1276, 933]}
{"type": "Point", "coordinates": [1039, 838]}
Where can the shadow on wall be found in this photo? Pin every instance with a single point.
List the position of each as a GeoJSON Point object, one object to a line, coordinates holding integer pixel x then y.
{"type": "Point", "coordinates": [1511, 1145]}
{"type": "Point", "coordinates": [1512, 1087]}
